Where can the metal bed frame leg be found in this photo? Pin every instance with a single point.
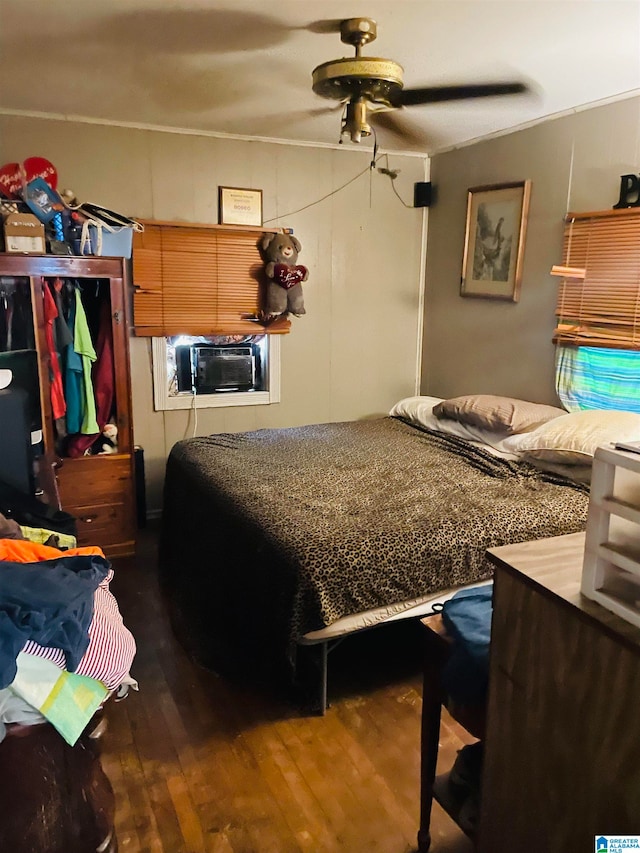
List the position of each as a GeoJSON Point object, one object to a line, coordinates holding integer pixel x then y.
{"type": "Point", "coordinates": [321, 702]}
{"type": "Point", "coordinates": [326, 646]}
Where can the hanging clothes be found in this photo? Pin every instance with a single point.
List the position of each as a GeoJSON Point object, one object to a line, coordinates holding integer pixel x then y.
{"type": "Point", "coordinates": [58, 404]}
{"type": "Point", "coordinates": [103, 376]}
{"type": "Point", "coordinates": [104, 379]}
{"type": "Point", "coordinates": [73, 378]}
{"type": "Point", "coordinates": [83, 345]}
{"type": "Point", "coordinates": [62, 337]}
{"type": "Point", "coordinates": [62, 334]}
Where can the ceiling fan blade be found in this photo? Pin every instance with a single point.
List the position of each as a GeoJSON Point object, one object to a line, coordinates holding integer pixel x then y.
{"type": "Point", "coordinates": [286, 119]}
{"type": "Point", "coordinates": [399, 128]}
{"type": "Point", "coordinates": [328, 25]}
{"type": "Point", "coordinates": [436, 94]}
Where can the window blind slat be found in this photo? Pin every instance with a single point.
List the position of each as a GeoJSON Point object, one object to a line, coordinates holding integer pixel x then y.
{"type": "Point", "coordinates": [195, 280]}
{"type": "Point", "coordinates": [603, 309]}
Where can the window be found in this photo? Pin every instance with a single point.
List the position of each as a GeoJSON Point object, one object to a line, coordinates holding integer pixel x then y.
{"type": "Point", "coordinates": [199, 280]}
{"type": "Point", "coordinates": [212, 371]}
{"type": "Point", "coordinates": [598, 311]}
{"type": "Point", "coordinates": [197, 295]}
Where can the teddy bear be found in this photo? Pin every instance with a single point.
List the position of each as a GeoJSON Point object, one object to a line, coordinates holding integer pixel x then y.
{"type": "Point", "coordinates": [284, 275]}
{"type": "Point", "coordinates": [108, 440]}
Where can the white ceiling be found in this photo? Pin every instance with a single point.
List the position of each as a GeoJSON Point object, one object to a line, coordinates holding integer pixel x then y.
{"type": "Point", "coordinates": [244, 67]}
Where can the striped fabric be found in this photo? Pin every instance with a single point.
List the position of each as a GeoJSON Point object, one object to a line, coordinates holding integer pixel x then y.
{"type": "Point", "coordinates": [111, 645]}
{"type": "Point", "coordinates": [598, 378]}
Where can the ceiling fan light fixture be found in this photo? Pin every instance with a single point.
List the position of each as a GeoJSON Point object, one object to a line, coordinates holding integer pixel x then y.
{"type": "Point", "coordinates": [355, 122]}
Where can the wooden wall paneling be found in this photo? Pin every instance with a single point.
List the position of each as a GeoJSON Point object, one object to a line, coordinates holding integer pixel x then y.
{"type": "Point", "coordinates": [154, 175]}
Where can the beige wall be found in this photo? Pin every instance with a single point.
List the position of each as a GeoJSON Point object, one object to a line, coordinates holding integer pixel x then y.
{"type": "Point", "coordinates": [356, 351]}
{"type": "Point", "coordinates": [483, 346]}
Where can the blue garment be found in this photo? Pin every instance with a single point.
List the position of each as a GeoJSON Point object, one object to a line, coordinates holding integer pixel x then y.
{"type": "Point", "coordinates": [51, 603]}
{"type": "Point", "coordinates": [467, 618]}
{"type": "Point", "coordinates": [73, 381]}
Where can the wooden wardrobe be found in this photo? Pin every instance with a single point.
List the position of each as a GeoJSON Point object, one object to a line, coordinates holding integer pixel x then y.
{"type": "Point", "coordinates": [99, 490]}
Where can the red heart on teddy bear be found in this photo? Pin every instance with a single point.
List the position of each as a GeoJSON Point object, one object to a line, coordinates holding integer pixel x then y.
{"type": "Point", "coordinates": [287, 276]}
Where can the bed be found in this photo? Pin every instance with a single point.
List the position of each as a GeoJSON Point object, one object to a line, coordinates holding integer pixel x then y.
{"type": "Point", "coordinates": [278, 538]}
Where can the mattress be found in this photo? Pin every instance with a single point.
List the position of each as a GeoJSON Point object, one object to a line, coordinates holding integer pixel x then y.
{"type": "Point", "coordinates": [272, 535]}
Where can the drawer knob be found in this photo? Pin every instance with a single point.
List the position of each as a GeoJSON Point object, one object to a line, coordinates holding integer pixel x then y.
{"type": "Point", "coordinates": [88, 518]}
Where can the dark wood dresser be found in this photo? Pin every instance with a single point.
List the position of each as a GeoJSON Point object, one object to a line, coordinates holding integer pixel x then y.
{"type": "Point", "coordinates": [562, 748]}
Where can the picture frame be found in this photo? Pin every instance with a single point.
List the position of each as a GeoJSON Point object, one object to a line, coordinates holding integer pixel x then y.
{"type": "Point", "coordinates": [494, 239]}
{"type": "Point", "coordinates": [239, 206]}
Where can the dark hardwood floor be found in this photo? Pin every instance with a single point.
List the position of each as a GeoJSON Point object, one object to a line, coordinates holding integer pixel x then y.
{"type": "Point", "coordinates": [202, 764]}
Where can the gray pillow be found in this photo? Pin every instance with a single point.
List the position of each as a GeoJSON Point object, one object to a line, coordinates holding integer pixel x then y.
{"type": "Point", "coordinates": [502, 414]}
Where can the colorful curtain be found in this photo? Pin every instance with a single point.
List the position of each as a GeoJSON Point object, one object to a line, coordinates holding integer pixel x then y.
{"type": "Point", "coordinates": [598, 378]}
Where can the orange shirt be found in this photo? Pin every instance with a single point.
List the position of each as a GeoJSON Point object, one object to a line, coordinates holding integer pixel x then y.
{"type": "Point", "coordinates": [24, 551]}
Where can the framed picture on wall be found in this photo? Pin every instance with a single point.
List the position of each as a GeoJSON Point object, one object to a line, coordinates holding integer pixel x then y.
{"type": "Point", "coordinates": [237, 206]}
{"type": "Point", "coordinates": [494, 240]}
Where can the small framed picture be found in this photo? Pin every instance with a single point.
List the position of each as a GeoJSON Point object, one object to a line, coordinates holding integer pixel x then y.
{"type": "Point", "coordinates": [494, 240]}
{"type": "Point", "coordinates": [237, 206]}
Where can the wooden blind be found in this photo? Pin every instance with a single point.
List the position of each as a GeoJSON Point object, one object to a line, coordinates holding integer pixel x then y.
{"type": "Point", "coordinates": [603, 309]}
{"type": "Point", "coordinates": [198, 280]}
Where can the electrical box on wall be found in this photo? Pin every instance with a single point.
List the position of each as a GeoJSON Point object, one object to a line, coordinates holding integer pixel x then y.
{"type": "Point", "coordinates": [422, 194]}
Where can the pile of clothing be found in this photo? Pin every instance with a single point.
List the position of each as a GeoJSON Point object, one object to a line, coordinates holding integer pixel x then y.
{"type": "Point", "coordinates": [64, 648]}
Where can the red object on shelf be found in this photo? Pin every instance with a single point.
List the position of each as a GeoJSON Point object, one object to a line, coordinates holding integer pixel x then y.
{"type": "Point", "coordinates": [10, 180]}
{"type": "Point", "coordinates": [39, 167]}
{"type": "Point", "coordinates": [14, 175]}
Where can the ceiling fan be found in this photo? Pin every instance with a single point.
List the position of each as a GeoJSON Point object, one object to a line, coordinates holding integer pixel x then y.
{"type": "Point", "coordinates": [368, 85]}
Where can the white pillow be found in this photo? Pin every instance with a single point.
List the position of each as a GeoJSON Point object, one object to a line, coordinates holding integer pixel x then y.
{"type": "Point", "coordinates": [416, 409]}
{"type": "Point", "coordinates": [419, 411]}
{"type": "Point", "coordinates": [572, 439]}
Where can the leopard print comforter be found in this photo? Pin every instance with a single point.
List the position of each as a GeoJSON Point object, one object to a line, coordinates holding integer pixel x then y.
{"type": "Point", "coordinates": [319, 522]}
